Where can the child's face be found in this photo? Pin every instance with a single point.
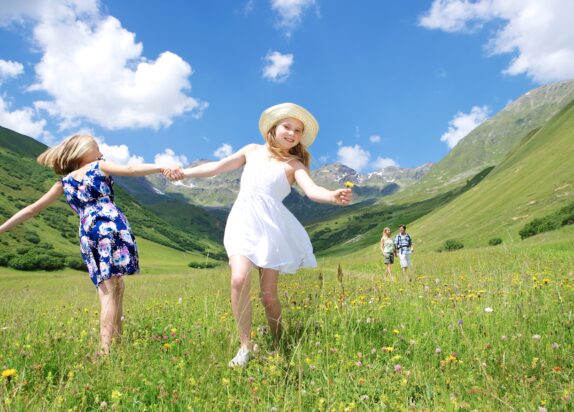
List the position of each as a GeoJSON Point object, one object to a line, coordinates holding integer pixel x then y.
{"type": "Point", "coordinates": [288, 132]}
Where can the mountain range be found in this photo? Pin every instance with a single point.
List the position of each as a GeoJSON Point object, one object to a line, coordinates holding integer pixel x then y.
{"type": "Point", "coordinates": [513, 168]}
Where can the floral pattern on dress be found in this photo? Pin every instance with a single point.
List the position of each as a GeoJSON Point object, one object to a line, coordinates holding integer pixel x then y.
{"type": "Point", "coordinates": [107, 243]}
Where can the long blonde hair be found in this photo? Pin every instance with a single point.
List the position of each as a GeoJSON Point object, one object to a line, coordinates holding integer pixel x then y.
{"type": "Point", "coordinates": [385, 237]}
{"type": "Point", "coordinates": [298, 152]}
{"type": "Point", "coordinates": [66, 156]}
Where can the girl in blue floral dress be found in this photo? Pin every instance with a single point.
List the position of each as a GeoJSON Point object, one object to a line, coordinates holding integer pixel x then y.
{"type": "Point", "coordinates": [106, 241]}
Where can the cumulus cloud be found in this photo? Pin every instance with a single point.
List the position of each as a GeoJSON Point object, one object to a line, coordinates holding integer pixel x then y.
{"type": "Point", "coordinates": [9, 69]}
{"type": "Point", "coordinates": [23, 121]}
{"type": "Point", "coordinates": [290, 13]}
{"type": "Point", "coordinates": [278, 66]}
{"type": "Point", "coordinates": [353, 156]}
{"type": "Point", "coordinates": [375, 139]}
{"type": "Point", "coordinates": [464, 123]}
{"type": "Point", "coordinates": [93, 69]}
{"type": "Point", "coordinates": [382, 162]}
{"type": "Point", "coordinates": [223, 151]}
{"type": "Point", "coordinates": [539, 34]}
{"type": "Point", "coordinates": [119, 154]}
{"type": "Point", "coordinates": [168, 158]}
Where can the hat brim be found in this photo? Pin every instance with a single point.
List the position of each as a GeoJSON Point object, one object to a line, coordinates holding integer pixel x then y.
{"type": "Point", "coordinates": [274, 114]}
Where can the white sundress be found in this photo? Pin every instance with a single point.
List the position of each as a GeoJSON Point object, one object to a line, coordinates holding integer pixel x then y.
{"type": "Point", "coordinates": [259, 225]}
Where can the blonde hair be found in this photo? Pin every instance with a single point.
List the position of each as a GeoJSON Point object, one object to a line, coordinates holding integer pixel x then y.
{"type": "Point", "coordinates": [385, 233]}
{"type": "Point", "coordinates": [298, 152]}
{"type": "Point", "coordinates": [66, 156]}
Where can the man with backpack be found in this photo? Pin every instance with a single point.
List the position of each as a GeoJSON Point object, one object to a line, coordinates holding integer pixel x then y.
{"type": "Point", "coordinates": [405, 247]}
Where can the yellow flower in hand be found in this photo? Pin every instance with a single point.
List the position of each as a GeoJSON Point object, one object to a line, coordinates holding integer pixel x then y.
{"type": "Point", "coordinates": [349, 184]}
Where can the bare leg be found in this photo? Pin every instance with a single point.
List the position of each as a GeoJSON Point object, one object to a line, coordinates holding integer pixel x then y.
{"type": "Point", "coordinates": [119, 298]}
{"type": "Point", "coordinates": [107, 313]}
{"type": "Point", "coordinates": [240, 302]}
{"type": "Point", "coordinates": [390, 271]}
{"type": "Point", "coordinates": [268, 280]}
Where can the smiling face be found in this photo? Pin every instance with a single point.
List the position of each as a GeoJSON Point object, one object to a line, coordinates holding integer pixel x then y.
{"type": "Point", "coordinates": [288, 133]}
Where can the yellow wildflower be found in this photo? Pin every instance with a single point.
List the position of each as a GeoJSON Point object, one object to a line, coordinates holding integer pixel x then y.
{"type": "Point", "coordinates": [349, 184]}
{"type": "Point", "coordinates": [8, 373]}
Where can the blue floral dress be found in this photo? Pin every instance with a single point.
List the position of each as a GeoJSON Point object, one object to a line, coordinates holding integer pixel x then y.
{"type": "Point", "coordinates": [107, 243]}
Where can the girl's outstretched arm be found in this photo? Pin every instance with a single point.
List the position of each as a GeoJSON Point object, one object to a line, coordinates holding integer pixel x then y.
{"type": "Point", "coordinates": [32, 210]}
{"type": "Point", "coordinates": [317, 193]}
{"type": "Point", "coordinates": [227, 164]}
{"type": "Point", "coordinates": [111, 168]}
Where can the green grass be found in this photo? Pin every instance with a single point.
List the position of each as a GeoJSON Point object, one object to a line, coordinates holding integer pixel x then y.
{"type": "Point", "coordinates": [376, 346]}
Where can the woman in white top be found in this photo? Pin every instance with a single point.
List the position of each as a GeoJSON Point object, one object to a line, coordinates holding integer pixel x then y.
{"type": "Point", "coordinates": [260, 230]}
{"type": "Point", "coordinates": [389, 251]}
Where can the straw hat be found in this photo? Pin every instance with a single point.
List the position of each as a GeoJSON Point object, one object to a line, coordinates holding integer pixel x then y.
{"type": "Point", "coordinates": [274, 114]}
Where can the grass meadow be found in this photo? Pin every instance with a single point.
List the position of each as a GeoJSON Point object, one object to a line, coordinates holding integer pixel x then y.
{"type": "Point", "coordinates": [483, 329]}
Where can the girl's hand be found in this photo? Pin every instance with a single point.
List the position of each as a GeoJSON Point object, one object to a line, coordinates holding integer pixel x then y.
{"type": "Point", "coordinates": [173, 173]}
{"type": "Point", "coordinates": [342, 197]}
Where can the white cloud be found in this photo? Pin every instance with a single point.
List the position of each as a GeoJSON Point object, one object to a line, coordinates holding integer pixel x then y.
{"type": "Point", "coordinates": [93, 69]}
{"type": "Point", "coordinates": [119, 154]}
{"type": "Point", "coordinates": [248, 8]}
{"type": "Point", "coordinates": [539, 34]}
{"type": "Point", "coordinates": [290, 13]}
{"type": "Point", "coordinates": [353, 156]}
{"type": "Point", "coordinates": [9, 69]}
{"type": "Point", "coordinates": [375, 139]}
{"type": "Point", "coordinates": [463, 123]}
{"type": "Point", "coordinates": [278, 66]}
{"type": "Point", "coordinates": [22, 121]}
{"type": "Point", "coordinates": [382, 162]}
{"type": "Point", "coordinates": [169, 158]}
{"type": "Point", "coordinates": [223, 151]}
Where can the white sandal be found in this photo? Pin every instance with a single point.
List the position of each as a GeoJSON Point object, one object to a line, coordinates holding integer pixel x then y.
{"type": "Point", "coordinates": [241, 359]}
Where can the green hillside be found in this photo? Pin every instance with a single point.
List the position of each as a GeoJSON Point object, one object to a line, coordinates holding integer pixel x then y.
{"type": "Point", "coordinates": [54, 231]}
{"type": "Point", "coordinates": [488, 144]}
{"type": "Point", "coordinates": [361, 225]}
{"type": "Point", "coordinates": [534, 180]}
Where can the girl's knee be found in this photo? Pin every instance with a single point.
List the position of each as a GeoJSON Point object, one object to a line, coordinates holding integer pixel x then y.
{"type": "Point", "coordinates": [269, 299]}
{"type": "Point", "coordinates": [239, 281]}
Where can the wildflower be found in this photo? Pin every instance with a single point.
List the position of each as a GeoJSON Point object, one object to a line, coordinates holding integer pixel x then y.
{"type": "Point", "coordinates": [488, 310]}
{"type": "Point", "coordinates": [225, 381]}
{"type": "Point", "coordinates": [8, 373]}
{"type": "Point", "coordinates": [396, 331]}
{"type": "Point", "coordinates": [536, 337]}
{"type": "Point", "coordinates": [460, 322]}
{"type": "Point", "coordinates": [116, 395]}
{"type": "Point", "coordinates": [438, 350]}
{"type": "Point", "coordinates": [398, 368]}
{"type": "Point", "coordinates": [349, 184]}
{"type": "Point", "coordinates": [166, 346]}
{"type": "Point", "coordinates": [104, 405]}
{"type": "Point", "coordinates": [555, 345]}
{"type": "Point", "coordinates": [388, 349]}
{"type": "Point", "coordinates": [542, 409]}
{"type": "Point", "coordinates": [364, 398]}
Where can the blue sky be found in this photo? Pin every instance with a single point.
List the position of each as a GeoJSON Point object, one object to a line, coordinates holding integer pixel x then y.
{"type": "Point", "coordinates": [390, 82]}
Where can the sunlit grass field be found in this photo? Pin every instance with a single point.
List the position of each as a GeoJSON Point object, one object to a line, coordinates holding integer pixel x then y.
{"type": "Point", "coordinates": [484, 329]}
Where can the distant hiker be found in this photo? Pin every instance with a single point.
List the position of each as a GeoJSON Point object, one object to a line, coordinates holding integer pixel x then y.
{"type": "Point", "coordinates": [405, 247]}
{"type": "Point", "coordinates": [389, 251]}
{"type": "Point", "coordinates": [260, 230]}
{"type": "Point", "coordinates": [107, 243]}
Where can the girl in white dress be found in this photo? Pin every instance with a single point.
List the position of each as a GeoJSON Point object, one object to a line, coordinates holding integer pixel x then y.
{"type": "Point", "coordinates": [260, 230]}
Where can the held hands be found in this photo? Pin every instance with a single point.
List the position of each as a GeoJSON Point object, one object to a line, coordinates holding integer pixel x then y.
{"type": "Point", "coordinates": [342, 197]}
{"type": "Point", "coordinates": [173, 173]}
